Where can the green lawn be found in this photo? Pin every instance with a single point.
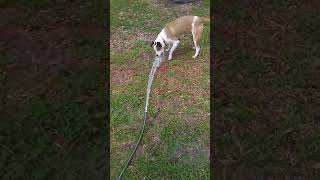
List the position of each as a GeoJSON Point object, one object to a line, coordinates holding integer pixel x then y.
{"type": "Point", "coordinates": [176, 140]}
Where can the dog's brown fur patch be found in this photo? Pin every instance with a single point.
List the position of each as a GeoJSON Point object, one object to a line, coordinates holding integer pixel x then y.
{"type": "Point", "coordinates": [181, 25]}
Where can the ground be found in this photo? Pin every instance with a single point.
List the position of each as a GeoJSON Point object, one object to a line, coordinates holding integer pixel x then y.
{"type": "Point", "coordinates": [176, 140]}
{"type": "Point", "coordinates": [53, 77]}
{"type": "Point", "coordinates": [266, 88]}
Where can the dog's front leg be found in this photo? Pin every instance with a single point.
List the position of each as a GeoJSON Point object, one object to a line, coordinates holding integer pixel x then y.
{"type": "Point", "coordinates": [174, 46]}
{"type": "Point", "coordinates": [169, 46]}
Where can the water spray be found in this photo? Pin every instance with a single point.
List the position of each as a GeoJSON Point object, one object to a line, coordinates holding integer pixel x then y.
{"type": "Point", "coordinates": [156, 63]}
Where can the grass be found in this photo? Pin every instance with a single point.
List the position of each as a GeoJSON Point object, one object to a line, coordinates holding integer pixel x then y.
{"type": "Point", "coordinates": [176, 141]}
{"type": "Point", "coordinates": [52, 91]}
{"type": "Point", "coordinates": [265, 89]}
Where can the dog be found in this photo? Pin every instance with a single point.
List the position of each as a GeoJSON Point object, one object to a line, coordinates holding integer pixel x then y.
{"type": "Point", "coordinates": [171, 33]}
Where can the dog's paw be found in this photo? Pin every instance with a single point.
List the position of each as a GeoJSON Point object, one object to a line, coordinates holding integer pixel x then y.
{"type": "Point", "coordinates": [169, 58]}
{"type": "Point", "coordinates": [194, 56]}
{"type": "Point", "coordinates": [193, 47]}
{"type": "Point", "coordinates": [167, 49]}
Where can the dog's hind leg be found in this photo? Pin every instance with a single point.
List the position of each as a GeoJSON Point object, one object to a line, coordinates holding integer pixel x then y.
{"type": "Point", "coordinates": [196, 33]}
{"type": "Point", "coordinates": [174, 46]}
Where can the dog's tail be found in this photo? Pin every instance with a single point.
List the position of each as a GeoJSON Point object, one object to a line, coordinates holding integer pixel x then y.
{"type": "Point", "coordinates": [205, 19]}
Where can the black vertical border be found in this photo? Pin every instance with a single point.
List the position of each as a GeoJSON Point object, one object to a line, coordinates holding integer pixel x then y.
{"type": "Point", "coordinates": [107, 27]}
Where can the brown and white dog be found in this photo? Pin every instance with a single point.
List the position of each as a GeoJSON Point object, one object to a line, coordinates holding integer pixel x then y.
{"type": "Point", "coordinates": [171, 33]}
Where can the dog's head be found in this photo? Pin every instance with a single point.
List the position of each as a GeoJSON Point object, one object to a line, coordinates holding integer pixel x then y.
{"type": "Point", "coordinates": [158, 48]}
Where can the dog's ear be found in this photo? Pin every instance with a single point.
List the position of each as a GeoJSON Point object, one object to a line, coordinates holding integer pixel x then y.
{"type": "Point", "coordinates": [152, 43]}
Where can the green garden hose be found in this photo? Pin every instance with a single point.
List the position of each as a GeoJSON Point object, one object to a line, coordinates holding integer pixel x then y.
{"type": "Point", "coordinates": [156, 64]}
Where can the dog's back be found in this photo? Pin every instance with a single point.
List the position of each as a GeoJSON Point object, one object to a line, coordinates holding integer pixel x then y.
{"type": "Point", "coordinates": [181, 26]}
